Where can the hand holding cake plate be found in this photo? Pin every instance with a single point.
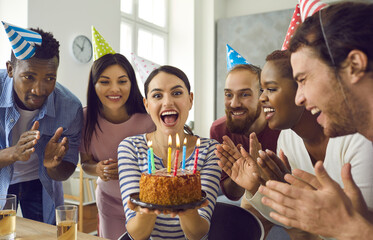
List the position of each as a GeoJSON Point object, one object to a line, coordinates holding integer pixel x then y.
{"type": "Point", "coordinates": [135, 199]}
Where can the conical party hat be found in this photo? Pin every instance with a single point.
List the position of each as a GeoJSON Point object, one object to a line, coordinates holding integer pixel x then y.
{"type": "Point", "coordinates": [144, 66]}
{"type": "Point", "coordinates": [234, 58]}
{"type": "Point", "coordinates": [309, 7]}
{"type": "Point", "coordinates": [22, 40]}
{"type": "Point", "coordinates": [100, 46]}
{"type": "Point", "coordinates": [294, 23]}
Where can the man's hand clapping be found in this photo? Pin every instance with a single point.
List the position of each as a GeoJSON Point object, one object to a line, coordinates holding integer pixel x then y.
{"type": "Point", "coordinates": [26, 143]}
{"type": "Point", "coordinates": [55, 150]}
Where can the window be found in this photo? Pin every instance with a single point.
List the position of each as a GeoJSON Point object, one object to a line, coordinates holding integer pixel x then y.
{"type": "Point", "coordinates": [144, 29]}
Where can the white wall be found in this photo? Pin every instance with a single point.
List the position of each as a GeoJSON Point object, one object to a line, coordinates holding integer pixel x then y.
{"type": "Point", "coordinates": [181, 39]}
{"type": "Point", "coordinates": [69, 18]}
{"type": "Point", "coordinates": [204, 63]}
{"type": "Point", "coordinates": [14, 12]}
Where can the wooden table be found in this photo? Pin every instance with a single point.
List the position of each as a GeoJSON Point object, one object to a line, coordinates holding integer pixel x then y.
{"type": "Point", "coordinates": [27, 229]}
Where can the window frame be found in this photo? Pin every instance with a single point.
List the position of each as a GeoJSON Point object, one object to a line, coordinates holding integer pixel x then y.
{"type": "Point", "coordinates": [137, 23]}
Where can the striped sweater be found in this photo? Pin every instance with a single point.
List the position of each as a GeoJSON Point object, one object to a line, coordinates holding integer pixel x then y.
{"type": "Point", "coordinates": [132, 161]}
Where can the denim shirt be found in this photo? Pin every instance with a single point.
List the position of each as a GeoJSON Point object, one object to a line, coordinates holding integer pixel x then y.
{"type": "Point", "coordinates": [62, 109]}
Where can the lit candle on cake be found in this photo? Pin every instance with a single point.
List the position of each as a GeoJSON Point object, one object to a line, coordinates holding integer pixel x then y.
{"type": "Point", "coordinates": [196, 156]}
{"type": "Point", "coordinates": [184, 152]}
{"type": "Point", "coordinates": [150, 156]}
{"type": "Point", "coordinates": [169, 154]}
{"type": "Point", "coordinates": [177, 153]}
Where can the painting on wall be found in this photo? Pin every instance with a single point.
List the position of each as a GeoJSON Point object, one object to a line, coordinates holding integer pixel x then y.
{"type": "Point", "coordinates": [254, 37]}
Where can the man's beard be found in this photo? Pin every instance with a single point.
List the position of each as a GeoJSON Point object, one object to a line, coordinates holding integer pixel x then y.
{"type": "Point", "coordinates": [241, 126]}
{"type": "Point", "coordinates": [342, 119]}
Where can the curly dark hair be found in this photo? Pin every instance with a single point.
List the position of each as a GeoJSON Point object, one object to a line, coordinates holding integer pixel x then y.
{"type": "Point", "coordinates": [347, 26]}
{"type": "Point", "coordinates": [49, 47]}
{"type": "Point", "coordinates": [282, 59]}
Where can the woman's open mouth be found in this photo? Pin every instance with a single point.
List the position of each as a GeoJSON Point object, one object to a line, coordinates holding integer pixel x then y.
{"type": "Point", "coordinates": [169, 118]}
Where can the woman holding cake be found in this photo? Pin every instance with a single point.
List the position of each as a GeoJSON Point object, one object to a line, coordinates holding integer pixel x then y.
{"type": "Point", "coordinates": [114, 111]}
{"type": "Point", "coordinates": [302, 140]}
{"type": "Point", "coordinates": [168, 100]}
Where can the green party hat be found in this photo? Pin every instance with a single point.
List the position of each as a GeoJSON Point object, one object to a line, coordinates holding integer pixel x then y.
{"type": "Point", "coordinates": [100, 46]}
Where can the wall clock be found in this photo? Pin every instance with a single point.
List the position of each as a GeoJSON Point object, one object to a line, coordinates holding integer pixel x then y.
{"type": "Point", "coordinates": [82, 49]}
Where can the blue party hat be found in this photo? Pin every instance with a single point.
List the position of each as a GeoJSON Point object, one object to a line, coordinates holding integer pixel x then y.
{"type": "Point", "coordinates": [234, 58]}
{"type": "Point", "coordinates": [22, 40]}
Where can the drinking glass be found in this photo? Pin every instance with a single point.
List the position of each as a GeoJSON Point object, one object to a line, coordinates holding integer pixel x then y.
{"type": "Point", "coordinates": [8, 216]}
{"type": "Point", "coordinates": [67, 222]}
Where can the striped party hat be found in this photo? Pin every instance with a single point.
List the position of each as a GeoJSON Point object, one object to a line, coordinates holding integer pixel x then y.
{"type": "Point", "coordinates": [309, 7]}
{"type": "Point", "coordinates": [234, 58]}
{"type": "Point", "coordinates": [144, 67]}
{"type": "Point", "coordinates": [22, 40]}
{"type": "Point", "coordinates": [100, 46]}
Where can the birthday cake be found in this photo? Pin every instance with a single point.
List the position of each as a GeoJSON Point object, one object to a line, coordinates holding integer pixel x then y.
{"type": "Point", "coordinates": [163, 188]}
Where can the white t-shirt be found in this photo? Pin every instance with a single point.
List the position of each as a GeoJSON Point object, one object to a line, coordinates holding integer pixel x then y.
{"type": "Point", "coordinates": [24, 170]}
{"type": "Point", "coordinates": [354, 149]}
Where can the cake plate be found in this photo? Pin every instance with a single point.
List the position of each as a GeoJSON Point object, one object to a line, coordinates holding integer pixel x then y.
{"type": "Point", "coordinates": [134, 198]}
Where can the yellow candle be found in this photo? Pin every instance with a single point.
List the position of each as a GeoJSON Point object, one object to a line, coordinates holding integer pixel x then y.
{"type": "Point", "coordinates": [169, 154]}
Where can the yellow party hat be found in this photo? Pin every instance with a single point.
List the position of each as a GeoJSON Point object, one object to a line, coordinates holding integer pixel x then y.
{"type": "Point", "coordinates": [100, 46]}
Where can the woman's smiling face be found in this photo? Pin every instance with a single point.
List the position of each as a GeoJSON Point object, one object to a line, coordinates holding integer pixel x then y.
{"type": "Point", "coordinates": [113, 87]}
{"type": "Point", "coordinates": [278, 98]}
{"type": "Point", "coordinates": [168, 103]}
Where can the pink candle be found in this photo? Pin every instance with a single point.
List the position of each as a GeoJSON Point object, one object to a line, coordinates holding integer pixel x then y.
{"type": "Point", "coordinates": [196, 156]}
{"type": "Point", "coordinates": [169, 154]}
{"type": "Point", "coordinates": [177, 153]}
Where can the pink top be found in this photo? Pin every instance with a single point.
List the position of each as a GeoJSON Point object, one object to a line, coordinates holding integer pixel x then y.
{"type": "Point", "coordinates": [104, 144]}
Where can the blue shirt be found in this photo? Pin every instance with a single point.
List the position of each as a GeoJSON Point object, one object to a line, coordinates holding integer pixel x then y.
{"type": "Point", "coordinates": [62, 109]}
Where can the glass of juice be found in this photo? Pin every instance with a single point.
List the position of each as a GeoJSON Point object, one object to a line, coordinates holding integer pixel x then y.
{"type": "Point", "coordinates": [8, 210]}
{"type": "Point", "coordinates": [67, 222]}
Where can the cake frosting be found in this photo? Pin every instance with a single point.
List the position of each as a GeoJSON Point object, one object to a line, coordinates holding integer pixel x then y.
{"type": "Point", "coordinates": [163, 188]}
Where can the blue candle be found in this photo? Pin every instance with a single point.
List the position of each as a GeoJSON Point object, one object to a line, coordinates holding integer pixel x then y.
{"type": "Point", "coordinates": [184, 153]}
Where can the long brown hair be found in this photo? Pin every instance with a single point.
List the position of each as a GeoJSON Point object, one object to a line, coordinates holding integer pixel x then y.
{"type": "Point", "coordinates": [133, 105]}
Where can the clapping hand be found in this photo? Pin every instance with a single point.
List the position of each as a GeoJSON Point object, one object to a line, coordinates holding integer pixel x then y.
{"type": "Point", "coordinates": [26, 143]}
{"type": "Point", "coordinates": [239, 165]}
{"type": "Point", "coordinates": [309, 181]}
{"type": "Point", "coordinates": [55, 150]}
{"type": "Point", "coordinates": [314, 203]}
{"type": "Point", "coordinates": [272, 166]}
